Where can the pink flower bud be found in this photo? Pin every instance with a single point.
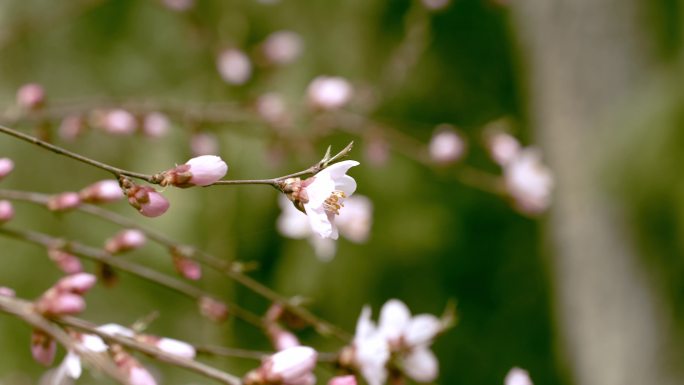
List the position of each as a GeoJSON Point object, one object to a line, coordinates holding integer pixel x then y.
{"type": "Point", "coordinates": [104, 191]}
{"type": "Point", "coordinates": [206, 169]}
{"type": "Point", "coordinates": [329, 92]}
{"type": "Point", "coordinates": [187, 267]}
{"type": "Point", "coordinates": [6, 211]}
{"type": "Point", "coordinates": [61, 304]}
{"type": "Point", "coordinates": [6, 167]}
{"type": "Point", "coordinates": [503, 147]}
{"type": "Point", "coordinates": [446, 145]}
{"type": "Point", "coordinates": [155, 125]}
{"type": "Point", "coordinates": [43, 347]}
{"type": "Point", "coordinates": [6, 292]}
{"type": "Point", "coordinates": [199, 171]}
{"type": "Point", "coordinates": [281, 338]}
{"type": "Point", "coordinates": [343, 380]}
{"type": "Point", "coordinates": [282, 47]}
{"type": "Point", "coordinates": [156, 206]}
{"type": "Point", "coordinates": [213, 309]}
{"type": "Point", "coordinates": [64, 201]}
{"type": "Point", "coordinates": [72, 127]}
{"type": "Point", "coordinates": [290, 365]}
{"type": "Point", "coordinates": [204, 143]}
{"type": "Point", "coordinates": [125, 240]}
{"type": "Point", "coordinates": [118, 122]}
{"type": "Point", "coordinates": [234, 66]}
{"type": "Point", "coordinates": [147, 200]}
{"type": "Point", "coordinates": [31, 96]}
{"type": "Point", "coordinates": [66, 262]}
{"type": "Point", "coordinates": [76, 283]}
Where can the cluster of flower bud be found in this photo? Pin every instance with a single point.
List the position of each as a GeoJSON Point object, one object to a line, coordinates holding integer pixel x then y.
{"type": "Point", "coordinates": [528, 180]}
{"type": "Point", "coordinates": [115, 121]}
{"type": "Point", "coordinates": [66, 296]}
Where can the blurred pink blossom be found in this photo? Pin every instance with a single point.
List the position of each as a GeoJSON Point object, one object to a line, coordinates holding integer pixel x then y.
{"type": "Point", "coordinates": [234, 66]}
{"type": "Point", "coordinates": [31, 96]}
{"type": "Point", "coordinates": [6, 167]}
{"type": "Point", "coordinates": [104, 191]}
{"type": "Point", "coordinates": [447, 145]}
{"type": "Point", "coordinates": [6, 211]}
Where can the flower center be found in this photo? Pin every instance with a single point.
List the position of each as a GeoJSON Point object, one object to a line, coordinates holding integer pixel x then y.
{"type": "Point", "coordinates": [333, 203]}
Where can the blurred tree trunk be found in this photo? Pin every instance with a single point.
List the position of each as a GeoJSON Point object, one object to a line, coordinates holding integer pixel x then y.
{"type": "Point", "coordinates": [582, 58]}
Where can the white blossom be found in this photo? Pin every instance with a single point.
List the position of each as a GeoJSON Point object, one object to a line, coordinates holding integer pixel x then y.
{"type": "Point", "coordinates": [399, 333]}
{"type": "Point", "coordinates": [529, 181]}
{"type": "Point", "coordinates": [353, 223]}
{"type": "Point", "coordinates": [325, 197]}
{"type": "Point", "coordinates": [517, 376]}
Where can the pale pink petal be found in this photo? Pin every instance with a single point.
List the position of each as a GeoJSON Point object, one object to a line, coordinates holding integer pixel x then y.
{"type": "Point", "coordinates": [394, 318]}
{"type": "Point", "coordinates": [422, 329]}
{"type": "Point", "coordinates": [421, 365]}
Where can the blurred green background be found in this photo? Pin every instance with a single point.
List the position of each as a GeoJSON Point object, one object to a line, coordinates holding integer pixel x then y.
{"type": "Point", "coordinates": [433, 239]}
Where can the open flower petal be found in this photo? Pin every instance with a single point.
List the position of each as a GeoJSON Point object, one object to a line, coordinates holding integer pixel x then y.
{"type": "Point", "coordinates": [421, 365]}
{"type": "Point", "coordinates": [422, 329]}
{"type": "Point", "coordinates": [394, 318]}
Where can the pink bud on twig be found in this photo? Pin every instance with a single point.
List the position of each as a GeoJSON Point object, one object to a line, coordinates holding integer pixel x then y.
{"type": "Point", "coordinates": [125, 240]}
{"type": "Point", "coordinates": [6, 167]}
{"type": "Point", "coordinates": [43, 347]}
{"type": "Point", "coordinates": [104, 191]}
{"type": "Point", "coordinates": [6, 211]}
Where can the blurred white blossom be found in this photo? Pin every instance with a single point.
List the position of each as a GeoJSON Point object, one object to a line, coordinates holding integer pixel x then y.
{"type": "Point", "coordinates": [529, 181]}
{"type": "Point", "coordinates": [353, 223]}
{"type": "Point", "coordinates": [329, 92]}
{"type": "Point", "coordinates": [446, 145]}
{"type": "Point", "coordinates": [517, 376]}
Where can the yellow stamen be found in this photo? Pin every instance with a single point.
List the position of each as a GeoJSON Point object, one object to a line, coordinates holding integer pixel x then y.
{"type": "Point", "coordinates": [333, 203]}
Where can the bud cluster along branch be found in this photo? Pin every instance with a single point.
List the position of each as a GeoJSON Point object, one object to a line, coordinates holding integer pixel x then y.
{"type": "Point", "coordinates": [231, 269]}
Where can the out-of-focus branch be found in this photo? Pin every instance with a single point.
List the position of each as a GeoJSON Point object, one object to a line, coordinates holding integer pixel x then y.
{"type": "Point", "coordinates": [149, 350]}
{"type": "Point", "coordinates": [26, 312]}
{"type": "Point", "coordinates": [127, 266]}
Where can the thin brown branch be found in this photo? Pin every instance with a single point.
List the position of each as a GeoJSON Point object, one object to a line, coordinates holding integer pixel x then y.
{"type": "Point", "coordinates": [25, 311]}
{"type": "Point", "coordinates": [133, 268]}
{"type": "Point", "coordinates": [233, 270]}
{"type": "Point", "coordinates": [152, 351]}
